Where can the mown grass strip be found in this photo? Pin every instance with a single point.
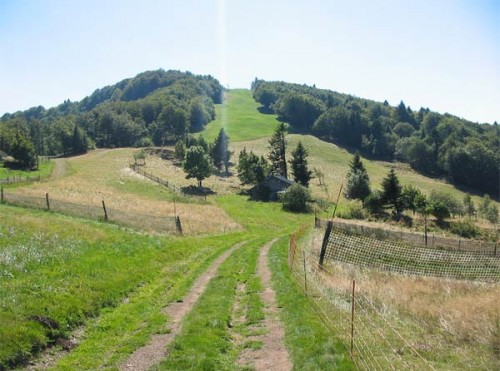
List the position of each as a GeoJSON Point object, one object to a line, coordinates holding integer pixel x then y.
{"type": "Point", "coordinates": [205, 342]}
{"type": "Point", "coordinates": [310, 344]}
{"type": "Point", "coordinates": [240, 118]}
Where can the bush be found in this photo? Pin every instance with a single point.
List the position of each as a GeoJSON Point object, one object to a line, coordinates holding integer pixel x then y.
{"type": "Point", "coordinates": [373, 203]}
{"type": "Point", "coordinates": [440, 210]}
{"type": "Point", "coordinates": [352, 211]}
{"type": "Point", "coordinates": [465, 229]}
{"type": "Point", "coordinates": [295, 198]}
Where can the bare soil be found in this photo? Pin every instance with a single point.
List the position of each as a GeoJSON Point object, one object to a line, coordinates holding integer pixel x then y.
{"type": "Point", "coordinates": [152, 353]}
{"type": "Point", "coordinates": [272, 355]}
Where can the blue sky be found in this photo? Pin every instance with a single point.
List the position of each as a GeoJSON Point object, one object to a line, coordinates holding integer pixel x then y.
{"type": "Point", "coordinates": [441, 54]}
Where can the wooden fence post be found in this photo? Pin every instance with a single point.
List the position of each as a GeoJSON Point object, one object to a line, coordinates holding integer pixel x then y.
{"type": "Point", "coordinates": [352, 317]}
{"type": "Point", "coordinates": [1, 192]}
{"type": "Point", "coordinates": [48, 201]}
{"type": "Point", "coordinates": [105, 211]}
{"type": "Point", "coordinates": [326, 238]}
{"type": "Point", "coordinates": [178, 225]}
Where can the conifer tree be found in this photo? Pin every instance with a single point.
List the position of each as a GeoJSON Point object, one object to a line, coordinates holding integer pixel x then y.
{"type": "Point", "coordinates": [219, 151]}
{"type": "Point", "coordinates": [277, 156]}
{"type": "Point", "coordinates": [392, 191]}
{"type": "Point", "coordinates": [300, 171]}
{"type": "Point", "coordinates": [358, 182]}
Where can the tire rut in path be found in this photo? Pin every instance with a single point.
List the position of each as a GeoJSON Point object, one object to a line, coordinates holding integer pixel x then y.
{"type": "Point", "coordinates": [154, 352]}
{"type": "Point", "coordinates": [273, 355]}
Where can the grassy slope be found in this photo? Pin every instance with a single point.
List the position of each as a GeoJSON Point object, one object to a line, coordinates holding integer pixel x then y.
{"type": "Point", "coordinates": [331, 159]}
{"type": "Point", "coordinates": [68, 269]}
{"type": "Point", "coordinates": [240, 119]}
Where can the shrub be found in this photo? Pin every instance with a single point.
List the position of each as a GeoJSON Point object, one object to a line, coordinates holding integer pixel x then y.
{"type": "Point", "coordinates": [353, 210]}
{"type": "Point", "coordinates": [295, 198]}
{"type": "Point", "coordinates": [440, 210]}
{"type": "Point", "coordinates": [373, 203]}
{"type": "Point", "coordinates": [465, 229]}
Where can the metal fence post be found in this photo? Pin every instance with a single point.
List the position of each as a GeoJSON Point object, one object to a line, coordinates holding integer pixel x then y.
{"type": "Point", "coordinates": [352, 318]}
{"type": "Point", "coordinates": [326, 238]}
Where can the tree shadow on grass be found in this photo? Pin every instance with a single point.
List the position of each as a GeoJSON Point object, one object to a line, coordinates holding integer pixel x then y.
{"type": "Point", "coordinates": [197, 191]}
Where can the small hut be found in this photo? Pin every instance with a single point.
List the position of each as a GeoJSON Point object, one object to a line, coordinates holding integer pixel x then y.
{"type": "Point", "coordinates": [270, 188]}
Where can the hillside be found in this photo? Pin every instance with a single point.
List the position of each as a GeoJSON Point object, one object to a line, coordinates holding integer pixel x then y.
{"type": "Point", "coordinates": [435, 144]}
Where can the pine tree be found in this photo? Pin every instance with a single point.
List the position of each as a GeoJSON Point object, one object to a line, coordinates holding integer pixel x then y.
{"type": "Point", "coordinates": [358, 182]}
{"type": "Point", "coordinates": [219, 151]}
{"type": "Point", "coordinates": [392, 191]}
{"type": "Point", "coordinates": [277, 155]}
{"type": "Point", "coordinates": [300, 171]}
{"type": "Point", "coordinates": [251, 168]}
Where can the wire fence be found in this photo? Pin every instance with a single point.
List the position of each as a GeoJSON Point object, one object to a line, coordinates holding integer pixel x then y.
{"type": "Point", "coordinates": [417, 239]}
{"type": "Point", "coordinates": [351, 246]}
{"type": "Point", "coordinates": [20, 179]}
{"type": "Point", "coordinates": [163, 182]}
{"type": "Point", "coordinates": [372, 339]}
{"type": "Point", "coordinates": [161, 224]}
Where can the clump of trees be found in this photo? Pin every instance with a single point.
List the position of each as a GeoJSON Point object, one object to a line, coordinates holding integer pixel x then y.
{"type": "Point", "coordinates": [396, 198]}
{"type": "Point", "coordinates": [153, 108]}
{"type": "Point", "coordinates": [466, 153]}
{"type": "Point", "coordinates": [201, 159]}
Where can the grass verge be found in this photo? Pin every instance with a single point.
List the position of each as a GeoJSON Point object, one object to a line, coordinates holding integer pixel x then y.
{"type": "Point", "coordinates": [310, 344]}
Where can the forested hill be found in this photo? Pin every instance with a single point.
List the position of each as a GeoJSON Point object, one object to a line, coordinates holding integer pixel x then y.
{"type": "Point", "coordinates": [436, 144]}
{"type": "Point", "coordinates": [151, 108]}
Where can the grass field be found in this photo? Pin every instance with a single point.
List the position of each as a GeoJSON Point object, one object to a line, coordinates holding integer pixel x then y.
{"type": "Point", "coordinates": [105, 175]}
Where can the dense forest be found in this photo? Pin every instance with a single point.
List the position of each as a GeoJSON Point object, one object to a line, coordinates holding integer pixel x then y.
{"type": "Point", "coordinates": [152, 108]}
{"type": "Point", "coordinates": [442, 145]}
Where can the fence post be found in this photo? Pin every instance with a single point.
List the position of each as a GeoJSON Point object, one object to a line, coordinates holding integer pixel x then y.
{"type": "Point", "coordinates": [326, 238]}
{"type": "Point", "coordinates": [494, 252]}
{"type": "Point", "coordinates": [178, 225]}
{"type": "Point", "coordinates": [305, 272]}
{"type": "Point", "coordinates": [105, 211]}
{"type": "Point", "coordinates": [352, 318]}
{"type": "Point", "coordinates": [48, 201]}
{"type": "Point", "coordinates": [1, 193]}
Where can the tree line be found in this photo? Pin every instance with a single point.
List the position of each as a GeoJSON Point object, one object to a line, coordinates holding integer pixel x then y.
{"type": "Point", "coordinates": [444, 145]}
{"type": "Point", "coordinates": [153, 108]}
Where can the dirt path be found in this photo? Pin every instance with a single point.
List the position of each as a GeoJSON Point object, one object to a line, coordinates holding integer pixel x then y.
{"type": "Point", "coordinates": [60, 167]}
{"type": "Point", "coordinates": [152, 353]}
{"type": "Point", "coordinates": [273, 355]}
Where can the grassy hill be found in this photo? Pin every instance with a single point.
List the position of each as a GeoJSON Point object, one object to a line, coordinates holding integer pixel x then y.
{"type": "Point", "coordinates": [248, 127]}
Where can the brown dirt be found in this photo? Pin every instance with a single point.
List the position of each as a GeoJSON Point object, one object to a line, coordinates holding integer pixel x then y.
{"type": "Point", "coordinates": [273, 355]}
{"type": "Point", "coordinates": [152, 353]}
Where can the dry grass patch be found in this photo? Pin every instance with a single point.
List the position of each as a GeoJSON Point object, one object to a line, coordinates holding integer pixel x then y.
{"type": "Point", "coordinates": [447, 320]}
{"type": "Point", "coordinates": [105, 175]}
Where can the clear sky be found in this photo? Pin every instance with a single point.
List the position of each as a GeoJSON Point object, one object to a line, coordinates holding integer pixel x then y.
{"type": "Point", "coordinates": [441, 54]}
